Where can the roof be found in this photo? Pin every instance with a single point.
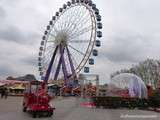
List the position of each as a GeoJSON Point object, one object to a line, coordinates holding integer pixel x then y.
{"type": "Point", "coordinates": [2, 84]}
{"type": "Point", "coordinates": [12, 81]}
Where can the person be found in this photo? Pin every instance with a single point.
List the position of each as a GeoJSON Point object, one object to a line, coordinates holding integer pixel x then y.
{"type": "Point", "coordinates": [6, 93]}
{"type": "Point", "coordinates": [2, 92]}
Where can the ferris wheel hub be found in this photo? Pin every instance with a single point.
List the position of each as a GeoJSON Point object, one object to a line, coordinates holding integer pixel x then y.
{"type": "Point", "coordinates": [61, 38]}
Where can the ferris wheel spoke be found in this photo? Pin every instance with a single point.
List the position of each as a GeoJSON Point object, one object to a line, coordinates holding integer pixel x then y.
{"type": "Point", "coordinates": [70, 27]}
{"type": "Point", "coordinates": [84, 14]}
{"type": "Point", "coordinates": [74, 60]}
{"type": "Point", "coordinates": [50, 47]}
{"type": "Point", "coordinates": [76, 50]}
{"type": "Point", "coordinates": [77, 19]}
{"type": "Point", "coordinates": [81, 16]}
{"type": "Point", "coordinates": [54, 29]}
{"type": "Point", "coordinates": [79, 41]}
{"type": "Point", "coordinates": [76, 64]}
{"type": "Point", "coordinates": [62, 21]}
{"type": "Point", "coordinates": [69, 21]}
{"type": "Point", "coordinates": [58, 23]}
{"type": "Point", "coordinates": [61, 24]}
{"type": "Point", "coordinates": [70, 61]}
{"type": "Point", "coordinates": [52, 34]}
{"type": "Point", "coordinates": [81, 32]}
{"type": "Point", "coordinates": [47, 55]}
{"type": "Point", "coordinates": [51, 38]}
{"type": "Point", "coordinates": [65, 22]}
{"type": "Point", "coordinates": [83, 22]}
{"type": "Point", "coordinates": [74, 16]}
{"type": "Point", "coordinates": [66, 18]}
{"type": "Point", "coordinates": [50, 41]}
{"type": "Point", "coordinates": [47, 59]}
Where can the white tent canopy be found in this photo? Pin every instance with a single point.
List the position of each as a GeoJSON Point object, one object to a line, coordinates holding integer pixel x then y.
{"type": "Point", "coordinates": [132, 82]}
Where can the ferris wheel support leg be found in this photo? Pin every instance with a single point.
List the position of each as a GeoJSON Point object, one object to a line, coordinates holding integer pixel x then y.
{"type": "Point", "coordinates": [58, 68]}
{"type": "Point", "coordinates": [71, 63]}
{"type": "Point", "coordinates": [50, 66]}
{"type": "Point", "coordinates": [64, 65]}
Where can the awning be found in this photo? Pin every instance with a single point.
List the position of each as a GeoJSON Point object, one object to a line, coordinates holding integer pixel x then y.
{"type": "Point", "coordinates": [2, 84]}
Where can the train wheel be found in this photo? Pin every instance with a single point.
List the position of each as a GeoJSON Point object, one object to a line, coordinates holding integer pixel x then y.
{"type": "Point", "coordinates": [24, 109]}
{"type": "Point", "coordinates": [50, 114]}
{"type": "Point", "coordinates": [34, 114]}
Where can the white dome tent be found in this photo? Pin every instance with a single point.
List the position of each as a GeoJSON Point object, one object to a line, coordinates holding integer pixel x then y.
{"type": "Point", "coordinates": [133, 83]}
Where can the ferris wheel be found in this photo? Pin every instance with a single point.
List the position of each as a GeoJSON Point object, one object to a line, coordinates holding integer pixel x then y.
{"type": "Point", "coordinates": [69, 42]}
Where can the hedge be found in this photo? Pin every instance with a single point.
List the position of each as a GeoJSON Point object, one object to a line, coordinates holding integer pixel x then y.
{"type": "Point", "coordinates": [119, 102]}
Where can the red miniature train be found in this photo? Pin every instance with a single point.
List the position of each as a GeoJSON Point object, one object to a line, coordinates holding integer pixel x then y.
{"type": "Point", "coordinates": [36, 100]}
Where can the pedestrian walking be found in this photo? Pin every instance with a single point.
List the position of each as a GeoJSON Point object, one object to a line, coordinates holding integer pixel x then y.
{"type": "Point", "coordinates": [2, 92]}
{"type": "Point", "coordinates": [6, 93]}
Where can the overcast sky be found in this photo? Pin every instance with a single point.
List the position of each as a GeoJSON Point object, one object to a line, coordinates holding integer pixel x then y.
{"type": "Point", "coordinates": [131, 33]}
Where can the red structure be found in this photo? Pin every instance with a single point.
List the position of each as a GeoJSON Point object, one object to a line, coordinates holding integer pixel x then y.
{"type": "Point", "coordinates": [36, 100]}
{"type": "Point", "coordinates": [150, 90]}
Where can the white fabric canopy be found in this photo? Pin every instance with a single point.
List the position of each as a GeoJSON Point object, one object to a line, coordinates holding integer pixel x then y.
{"type": "Point", "coordinates": [132, 82]}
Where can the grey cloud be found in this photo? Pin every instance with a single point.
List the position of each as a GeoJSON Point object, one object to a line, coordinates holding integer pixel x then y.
{"type": "Point", "coordinates": [126, 47]}
{"type": "Point", "coordinates": [17, 59]}
{"type": "Point", "coordinates": [11, 34]}
{"type": "Point", "coordinates": [14, 34]}
{"type": "Point", "coordinates": [23, 22]}
{"type": "Point", "coordinates": [2, 13]}
{"type": "Point", "coordinates": [6, 70]}
{"type": "Point", "coordinates": [30, 60]}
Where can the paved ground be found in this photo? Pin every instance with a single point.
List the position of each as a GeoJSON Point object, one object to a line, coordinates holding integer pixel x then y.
{"type": "Point", "coordinates": [69, 109]}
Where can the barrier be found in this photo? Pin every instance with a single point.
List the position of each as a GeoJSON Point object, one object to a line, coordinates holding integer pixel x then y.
{"type": "Point", "coordinates": [131, 103]}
